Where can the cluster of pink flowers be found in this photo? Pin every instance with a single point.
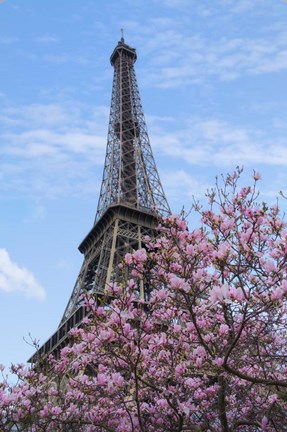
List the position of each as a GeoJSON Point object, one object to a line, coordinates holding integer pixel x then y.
{"type": "Point", "coordinates": [208, 352]}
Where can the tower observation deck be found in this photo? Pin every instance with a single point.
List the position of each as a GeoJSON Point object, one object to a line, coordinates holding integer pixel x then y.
{"type": "Point", "coordinates": [130, 202]}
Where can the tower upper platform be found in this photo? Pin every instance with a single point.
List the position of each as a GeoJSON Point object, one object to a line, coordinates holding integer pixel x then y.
{"type": "Point", "coordinates": [123, 49]}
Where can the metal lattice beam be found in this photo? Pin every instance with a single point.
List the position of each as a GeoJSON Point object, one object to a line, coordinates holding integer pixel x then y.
{"type": "Point", "coordinates": [130, 175]}
{"type": "Point", "coordinates": [122, 230]}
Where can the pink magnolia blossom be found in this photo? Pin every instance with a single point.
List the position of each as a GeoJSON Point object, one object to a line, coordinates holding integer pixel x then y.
{"type": "Point", "coordinates": [207, 351]}
{"type": "Point", "coordinates": [264, 423]}
{"type": "Point", "coordinates": [256, 175]}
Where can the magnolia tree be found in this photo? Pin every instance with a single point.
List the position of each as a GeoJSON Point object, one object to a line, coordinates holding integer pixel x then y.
{"type": "Point", "coordinates": [206, 352]}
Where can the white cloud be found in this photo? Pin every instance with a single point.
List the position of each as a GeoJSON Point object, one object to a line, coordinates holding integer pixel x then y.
{"type": "Point", "coordinates": [47, 39]}
{"type": "Point", "coordinates": [175, 3]}
{"type": "Point", "coordinates": [17, 279]}
{"type": "Point", "coordinates": [8, 40]}
{"type": "Point", "coordinates": [238, 6]}
{"type": "Point", "coordinates": [234, 6]}
{"type": "Point", "coordinates": [177, 55]}
{"type": "Point", "coordinates": [52, 149]}
{"type": "Point", "coordinates": [213, 142]}
{"type": "Point", "coordinates": [182, 186]}
{"type": "Point", "coordinates": [65, 58]}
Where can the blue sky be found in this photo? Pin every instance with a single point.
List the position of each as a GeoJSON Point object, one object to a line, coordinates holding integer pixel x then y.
{"type": "Point", "coordinates": [212, 76]}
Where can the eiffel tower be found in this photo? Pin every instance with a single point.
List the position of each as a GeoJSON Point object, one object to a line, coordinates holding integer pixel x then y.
{"type": "Point", "coordinates": [131, 198]}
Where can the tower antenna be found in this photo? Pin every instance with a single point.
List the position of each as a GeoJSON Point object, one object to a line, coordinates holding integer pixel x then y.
{"type": "Point", "coordinates": [122, 33]}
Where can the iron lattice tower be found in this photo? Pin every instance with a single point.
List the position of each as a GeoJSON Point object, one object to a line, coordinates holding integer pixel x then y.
{"type": "Point", "coordinates": [131, 196]}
